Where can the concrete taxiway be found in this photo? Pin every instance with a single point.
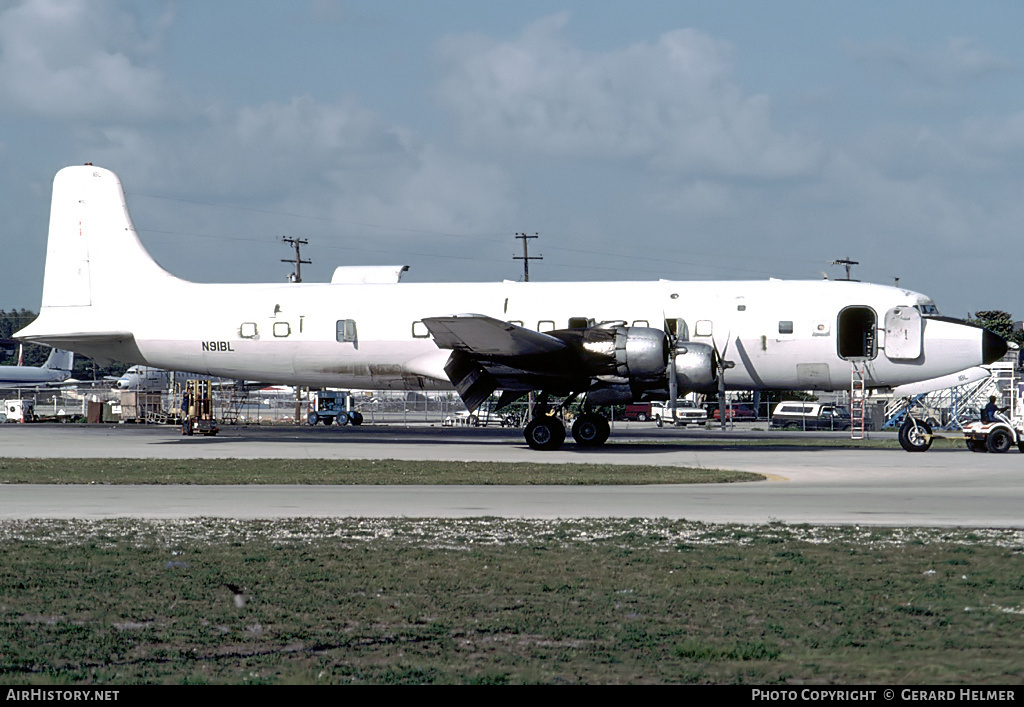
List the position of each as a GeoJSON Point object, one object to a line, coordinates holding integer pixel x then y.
{"type": "Point", "coordinates": [808, 484]}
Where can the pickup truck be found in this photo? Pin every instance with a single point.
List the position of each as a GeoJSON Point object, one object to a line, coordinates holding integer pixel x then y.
{"type": "Point", "coordinates": [800, 415]}
{"type": "Point", "coordinates": [687, 413]}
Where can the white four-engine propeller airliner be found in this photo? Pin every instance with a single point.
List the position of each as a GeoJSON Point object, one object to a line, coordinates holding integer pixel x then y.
{"type": "Point", "coordinates": [604, 342]}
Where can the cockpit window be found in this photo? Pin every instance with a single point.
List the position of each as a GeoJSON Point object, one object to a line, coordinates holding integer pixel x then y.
{"type": "Point", "coordinates": [927, 309]}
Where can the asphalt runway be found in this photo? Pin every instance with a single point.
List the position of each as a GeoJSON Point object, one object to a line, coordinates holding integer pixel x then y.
{"type": "Point", "coordinates": [807, 484]}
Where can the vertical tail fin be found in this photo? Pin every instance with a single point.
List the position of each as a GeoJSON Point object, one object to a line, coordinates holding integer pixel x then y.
{"type": "Point", "coordinates": [93, 253]}
{"type": "Point", "coordinates": [60, 360]}
{"type": "Point", "coordinates": [95, 263]}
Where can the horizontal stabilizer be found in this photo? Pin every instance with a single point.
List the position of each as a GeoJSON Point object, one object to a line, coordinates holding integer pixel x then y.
{"type": "Point", "coordinates": [72, 337]}
{"type": "Point", "coordinates": [101, 346]}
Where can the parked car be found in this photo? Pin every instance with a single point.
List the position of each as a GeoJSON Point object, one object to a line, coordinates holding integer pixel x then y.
{"type": "Point", "coordinates": [738, 411]}
{"type": "Point", "coordinates": [481, 418]}
{"type": "Point", "coordinates": [638, 411]}
{"type": "Point", "coordinates": [800, 415]}
{"type": "Point", "coordinates": [687, 413]}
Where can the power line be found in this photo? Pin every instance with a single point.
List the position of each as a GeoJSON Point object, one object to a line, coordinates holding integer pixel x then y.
{"type": "Point", "coordinates": [632, 256]}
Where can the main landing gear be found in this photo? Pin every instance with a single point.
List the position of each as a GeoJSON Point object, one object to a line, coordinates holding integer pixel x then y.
{"type": "Point", "coordinates": [546, 431]}
{"type": "Point", "coordinates": [590, 430]}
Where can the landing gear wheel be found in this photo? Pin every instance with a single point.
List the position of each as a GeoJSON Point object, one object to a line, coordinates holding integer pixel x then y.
{"type": "Point", "coordinates": [590, 430]}
{"type": "Point", "coordinates": [998, 441]}
{"type": "Point", "coordinates": [976, 445]}
{"type": "Point", "coordinates": [915, 438]}
{"type": "Point", "coordinates": [545, 433]}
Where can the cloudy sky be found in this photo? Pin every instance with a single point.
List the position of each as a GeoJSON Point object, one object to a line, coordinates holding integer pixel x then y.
{"type": "Point", "coordinates": [641, 140]}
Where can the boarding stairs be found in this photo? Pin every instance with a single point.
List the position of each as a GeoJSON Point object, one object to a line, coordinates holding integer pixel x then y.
{"type": "Point", "coordinates": [858, 400]}
{"type": "Point", "coordinates": [237, 400]}
{"type": "Point", "coordinates": [952, 408]}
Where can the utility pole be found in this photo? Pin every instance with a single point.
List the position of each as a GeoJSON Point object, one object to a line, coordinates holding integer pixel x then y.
{"type": "Point", "coordinates": [526, 257]}
{"type": "Point", "coordinates": [847, 262]}
{"type": "Point", "coordinates": [296, 243]}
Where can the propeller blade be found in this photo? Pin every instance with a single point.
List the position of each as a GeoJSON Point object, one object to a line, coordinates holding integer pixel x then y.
{"type": "Point", "coordinates": [673, 383]}
{"type": "Point", "coordinates": [723, 366]}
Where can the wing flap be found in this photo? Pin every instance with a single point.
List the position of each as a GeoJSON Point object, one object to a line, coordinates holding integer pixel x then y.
{"type": "Point", "coordinates": [472, 382]}
{"type": "Point", "coordinates": [488, 354]}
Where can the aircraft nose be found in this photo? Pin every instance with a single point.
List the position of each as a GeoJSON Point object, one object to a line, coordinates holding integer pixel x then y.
{"type": "Point", "coordinates": [993, 347]}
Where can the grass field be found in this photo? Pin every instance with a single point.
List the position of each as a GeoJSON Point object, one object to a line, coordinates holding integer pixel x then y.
{"type": "Point", "coordinates": [501, 601]}
{"type": "Point", "coordinates": [346, 471]}
{"type": "Point", "coordinates": [492, 601]}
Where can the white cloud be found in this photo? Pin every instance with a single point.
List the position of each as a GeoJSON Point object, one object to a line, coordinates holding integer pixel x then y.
{"type": "Point", "coordinates": [958, 60]}
{"type": "Point", "coordinates": [672, 103]}
{"type": "Point", "coordinates": [63, 59]}
{"type": "Point", "coordinates": [319, 159]}
{"type": "Point", "coordinates": [997, 135]}
{"type": "Point", "coordinates": [92, 72]}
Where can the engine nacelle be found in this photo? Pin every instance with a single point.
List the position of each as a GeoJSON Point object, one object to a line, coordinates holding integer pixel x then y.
{"type": "Point", "coordinates": [695, 367]}
{"type": "Point", "coordinates": [627, 353]}
{"type": "Point", "coordinates": [633, 362]}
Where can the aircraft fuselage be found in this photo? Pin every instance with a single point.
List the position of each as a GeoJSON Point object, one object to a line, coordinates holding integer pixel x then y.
{"type": "Point", "coordinates": [779, 334]}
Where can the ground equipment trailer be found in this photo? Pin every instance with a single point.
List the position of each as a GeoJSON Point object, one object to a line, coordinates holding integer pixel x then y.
{"type": "Point", "coordinates": [996, 436]}
{"type": "Point", "coordinates": [333, 407]}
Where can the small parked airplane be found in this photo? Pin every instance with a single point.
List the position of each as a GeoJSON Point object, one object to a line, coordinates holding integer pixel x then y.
{"type": "Point", "coordinates": [146, 379]}
{"type": "Point", "coordinates": [607, 342]}
{"type": "Point", "coordinates": [56, 369]}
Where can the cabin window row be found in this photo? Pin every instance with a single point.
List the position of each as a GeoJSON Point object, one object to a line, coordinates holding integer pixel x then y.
{"type": "Point", "coordinates": [249, 330]}
{"type": "Point", "coordinates": [345, 330]}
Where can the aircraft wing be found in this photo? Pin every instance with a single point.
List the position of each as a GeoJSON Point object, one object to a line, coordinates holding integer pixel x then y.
{"type": "Point", "coordinates": [488, 354]}
{"type": "Point", "coordinates": [486, 336]}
